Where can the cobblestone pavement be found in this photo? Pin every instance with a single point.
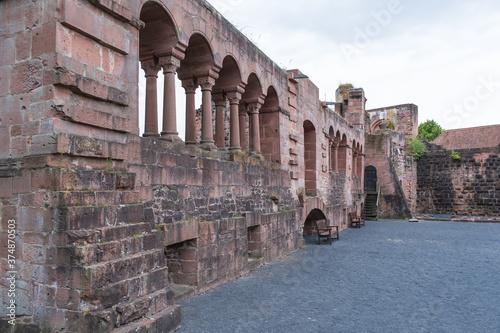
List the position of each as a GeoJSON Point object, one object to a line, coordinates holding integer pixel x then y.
{"type": "Point", "coordinates": [390, 276]}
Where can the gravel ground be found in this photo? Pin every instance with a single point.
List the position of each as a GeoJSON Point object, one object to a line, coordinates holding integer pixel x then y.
{"type": "Point", "coordinates": [390, 276]}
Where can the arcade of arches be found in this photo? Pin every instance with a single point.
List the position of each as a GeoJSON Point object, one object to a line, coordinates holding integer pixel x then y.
{"type": "Point", "coordinates": [119, 222]}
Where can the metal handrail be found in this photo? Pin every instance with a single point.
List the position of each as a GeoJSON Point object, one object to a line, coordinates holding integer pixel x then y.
{"type": "Point", "coordinates": [378, 197]}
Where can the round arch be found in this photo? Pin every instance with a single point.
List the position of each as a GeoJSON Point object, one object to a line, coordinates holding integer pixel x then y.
{"type": "Point", "coordinates": [198, 59]}
{"type": "Point", "coordinates": [229, 76]}
{"type": "Point", "coordinates": [315, 215]}
{"type": "Point", "coordinates": [270, 126]}
{"type": "Point", "coordinates": [159, 32]}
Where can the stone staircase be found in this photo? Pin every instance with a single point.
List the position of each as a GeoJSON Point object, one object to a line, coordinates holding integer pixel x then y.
{"type": "Point", "coordinates": [370, 207]}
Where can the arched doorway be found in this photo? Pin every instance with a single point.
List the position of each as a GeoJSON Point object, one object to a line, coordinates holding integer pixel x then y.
{"type": "Point", "coordinates": [310, 225]}
{"type": "Point", "coordinates": [370, 179]}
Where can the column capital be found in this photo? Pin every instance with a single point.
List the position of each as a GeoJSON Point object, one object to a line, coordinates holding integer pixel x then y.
{"type": "Point", "coordinates": [150, 67]}
{"type": "Point", "coordinates": [190, 85]}
{"type": "Point", "coordinates": [169, 64]}
{"type": "Point", "coordinates": [170, 53]}
{"type": "Point", "coordinates": [206, 80]}
{"type": "Point", "coordinates": [254, 107]}
{"type": "Point", "coordinates": [219, 98]}
{"type": "Point", "coordinates": [234, 97]}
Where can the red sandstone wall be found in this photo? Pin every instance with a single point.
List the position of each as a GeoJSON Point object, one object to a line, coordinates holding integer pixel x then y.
{"type": "Point", "coordinates": [405, 117]}
{"type": "Point", "coordinates": [97, 206]}
{"type": "Point", "coordinates": [395, 172]}
{"type": "Point", "coordinates": [468, 186]}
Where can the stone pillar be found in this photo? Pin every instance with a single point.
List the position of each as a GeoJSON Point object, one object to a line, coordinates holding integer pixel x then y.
{"type": "Point", "coordinates": [355, 163]}
{"type": "Point", "coordinates": [220, 103]}
{"type": "Point", "coordinates": [207, 132]}
{"type": "Point", "coordinates": [151, 68]}
{"type": "Point", "coordinates": [242, 110]}
{"type": "Point", "coordinates": [255, 134]}
{"type": "Point", "coordinates": [170, 64]}
{"type": "Point", "coordinates": [336, 145]}
{"type": "Point", "coordinates": [190, 86]}
{"type": "Point", "coordinates": [234, 100]}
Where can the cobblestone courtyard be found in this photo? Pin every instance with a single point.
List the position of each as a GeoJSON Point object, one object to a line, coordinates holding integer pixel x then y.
{"type": "Point", "coordinates": [389, 276]}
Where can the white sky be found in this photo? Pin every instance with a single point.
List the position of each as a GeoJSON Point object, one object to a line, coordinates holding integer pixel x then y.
{"type": "Point", "coordinates": [443, 56]}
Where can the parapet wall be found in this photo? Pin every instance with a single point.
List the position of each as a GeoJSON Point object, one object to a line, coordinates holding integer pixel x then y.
{"type": "Point", "coordinates": [466, 186]}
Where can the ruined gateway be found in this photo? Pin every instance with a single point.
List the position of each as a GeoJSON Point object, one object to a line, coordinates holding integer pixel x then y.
{"type": "Point", "coordinates": [115, 223]}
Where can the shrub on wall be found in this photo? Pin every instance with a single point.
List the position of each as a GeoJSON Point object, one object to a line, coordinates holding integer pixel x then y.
{"type": "Point", "coordinates": [454, 155]}
{"type": "Point", "coordinates": [417, 148]}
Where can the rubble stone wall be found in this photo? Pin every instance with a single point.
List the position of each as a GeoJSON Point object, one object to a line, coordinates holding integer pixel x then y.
{"type": "Point", "coordinates": [466, 186]}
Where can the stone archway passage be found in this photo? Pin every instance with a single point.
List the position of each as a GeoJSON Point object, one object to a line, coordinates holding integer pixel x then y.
{"type": "Point", "coordinates": [370, 179]}
{"type": "Point", "coordinates": [309, 223]}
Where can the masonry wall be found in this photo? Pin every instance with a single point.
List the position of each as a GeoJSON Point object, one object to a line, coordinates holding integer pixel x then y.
{"type": "Point", "coordinates": [395, 172]}
{"type": "Point", "coordinates": [109, 224]}
{"type": "Point", "coordinates": [468, 186]}
{"type": "Point", "coordinates": [405, 118]}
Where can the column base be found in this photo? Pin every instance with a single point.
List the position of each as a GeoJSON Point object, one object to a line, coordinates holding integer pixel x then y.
{"type": "Point", "coordinates": [208, 145]}
{"type": "Point", "coordinates": [151, 135]}
{"type": "Point", "coordinates": [170, 137]}
{"type": "Point", "coordinates": [257, 155]}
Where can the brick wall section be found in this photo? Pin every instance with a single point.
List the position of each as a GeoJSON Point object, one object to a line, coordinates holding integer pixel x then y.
{"type": "Point", "coordinates": [405, 118]}
{"type": "Point", "coordinates": [395, 172]}
{"type": "Point", "coordinates": [469, 186]}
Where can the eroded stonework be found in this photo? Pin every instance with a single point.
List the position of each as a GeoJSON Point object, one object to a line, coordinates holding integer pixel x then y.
{"type": "Point", "coordinates": [116, 223]}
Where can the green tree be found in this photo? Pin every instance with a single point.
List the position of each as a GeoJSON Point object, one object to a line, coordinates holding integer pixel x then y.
{"type": "Point", "coordinates": [429, 130]}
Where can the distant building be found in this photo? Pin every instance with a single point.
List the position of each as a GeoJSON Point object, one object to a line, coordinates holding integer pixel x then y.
{"type": "Point", "coordinates": [466, 138]}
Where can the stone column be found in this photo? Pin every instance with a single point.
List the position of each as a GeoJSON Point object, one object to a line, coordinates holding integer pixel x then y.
{"type": "Point", "coordinates": [190, 86]}
{"type": "Point", "coordinates": [220, 103]}
{"type": "Point", "coordinates": [207, 132]}
{"type": "Point", "coordinates": [151, 68]}
{"type": "Point", "coordinates": [355, 162]}
{"type": "Point", "coordinates": [234, 99]}
{"type": "Point", "coordinates": [336, 145]}
{"type": "Point", "coordinates": [170, 64]}
{"type": "Point", "coordinates": [255, 135]}
{"type": "Point", "coordinates": [242, 111]}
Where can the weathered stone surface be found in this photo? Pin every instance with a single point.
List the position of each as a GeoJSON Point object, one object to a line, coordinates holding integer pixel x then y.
{"type": "Point", "coordinates": [465, 186]}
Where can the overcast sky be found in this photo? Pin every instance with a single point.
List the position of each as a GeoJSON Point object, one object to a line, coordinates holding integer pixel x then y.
{"type": "Point", "coordinates": [443, 56]}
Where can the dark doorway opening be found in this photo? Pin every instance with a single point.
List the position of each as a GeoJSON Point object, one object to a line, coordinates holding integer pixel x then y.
{"type": "Point", "coordinates": [370, 179]}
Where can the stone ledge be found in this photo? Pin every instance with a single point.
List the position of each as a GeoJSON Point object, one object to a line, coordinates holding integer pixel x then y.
{"type": "Point", "coordinates": [89, 87]}
{"type": "Point", "coordinates": [180, 232]}
{"type": "Point", "coordinates": [169, 320]}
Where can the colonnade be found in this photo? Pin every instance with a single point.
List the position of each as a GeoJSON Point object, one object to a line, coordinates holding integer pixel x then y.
{"type": "Point", "coordinates": [239, 109]}
{"type": "Point", "coordinates": [338, 157]}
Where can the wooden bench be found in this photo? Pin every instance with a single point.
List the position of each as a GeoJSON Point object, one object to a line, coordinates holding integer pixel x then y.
{"type": "Point", "coordinates": [326, 231]}
{"type": "Point", "coordinates": [356, 221]}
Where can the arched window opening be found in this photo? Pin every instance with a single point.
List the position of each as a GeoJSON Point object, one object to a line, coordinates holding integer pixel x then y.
{"type": "Point", "coordinates": [270, 127]}
{"type": "Point", "coordinates": [310, 157]}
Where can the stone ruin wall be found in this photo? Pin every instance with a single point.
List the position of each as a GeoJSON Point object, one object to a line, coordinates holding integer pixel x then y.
{"type": "Point", "coordinates": [110, 224]}
{"type": "Point", "coordinates": [469, 186]}
{"type": "Point", "coordinates": [387, 151]}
